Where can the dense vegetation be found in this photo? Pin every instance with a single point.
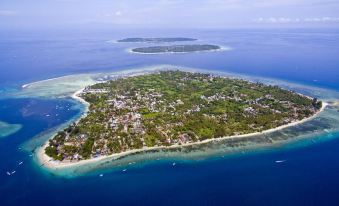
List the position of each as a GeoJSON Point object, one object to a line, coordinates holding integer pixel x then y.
{"type": "Point", "coordinates": [176, 48]}
{"type": "Point", "coordinates": [156, 40]}
{"type": "Point", "coordinates": [174, 107]}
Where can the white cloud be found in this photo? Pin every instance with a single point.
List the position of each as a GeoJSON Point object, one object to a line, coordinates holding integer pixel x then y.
{"type": "Point", "coordinates": [118, 13]}
{"type": "Point", "coordinates": [115, 14]}
{"type": "Point", "coordinates": [322, 19]}
{"type": "Point", "coordinates": [285, 20]}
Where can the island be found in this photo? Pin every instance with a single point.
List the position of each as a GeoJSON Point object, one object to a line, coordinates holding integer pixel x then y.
{"type": "Point", "coordinates": [156, 40]}
{"type": "Point", "coordinates": [172, 109]}
{"type": "Point", "coordinates": [176, 49]}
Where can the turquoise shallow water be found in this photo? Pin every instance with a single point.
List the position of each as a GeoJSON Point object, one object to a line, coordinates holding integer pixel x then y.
{"type": "Point", "coordinates": [7, 129]}
{"type": "Point", "coordinates": [228, 172]}
{"type": "Point", "coordinates": [300, 135]}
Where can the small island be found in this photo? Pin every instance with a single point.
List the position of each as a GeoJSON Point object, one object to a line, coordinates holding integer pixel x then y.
{"type": "Point", "coordinates": [176, 49]}
{"type": "Point", "coordinates": [174, 108]}
{"type": "Point", "coordinates": [155, 40]}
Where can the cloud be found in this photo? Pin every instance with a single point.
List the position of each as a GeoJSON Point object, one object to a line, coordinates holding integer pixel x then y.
{"type": "Point", "coordinates": [114, 14]}
{"type": "Point", "coordinates": [118, 13]}
{"type": "Point", "coordinates": [286, 20]}
{"type": "Point", "coordinates": [7, 13]}
{"type": "Point", "coordinates": [322, 19]}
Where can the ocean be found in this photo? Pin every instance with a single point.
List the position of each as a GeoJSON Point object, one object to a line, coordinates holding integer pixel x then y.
{"type": "Point", "coordinates": [307, 175]}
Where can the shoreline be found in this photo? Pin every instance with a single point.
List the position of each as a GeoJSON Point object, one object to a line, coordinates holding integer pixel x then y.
{"type": "Point", "coordinates": [48, 162]}
{"type": "Point", "coordinates": [222, 48]}
{"type": "Point", "coordinates": [41, 81]}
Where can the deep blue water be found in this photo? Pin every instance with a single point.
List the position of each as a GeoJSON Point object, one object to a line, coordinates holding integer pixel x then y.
{"type": "Point", "coordinates": [309, 177]}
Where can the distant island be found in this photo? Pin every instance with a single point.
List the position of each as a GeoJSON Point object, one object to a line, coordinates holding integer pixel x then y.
{"type": "Point", "coordinates": [176, 49]}
{"type": "Point", "coordinates": [173, 108]}
{"type": "Point", "coordinates": [156, 40]}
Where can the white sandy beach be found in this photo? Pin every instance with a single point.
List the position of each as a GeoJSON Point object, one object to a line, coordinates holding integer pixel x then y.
{"type": "Point", "coordinates": [76, 97]}
{"type": "Point", "coordinates": [48, 162]}
{"type": "Point", "coordinates": [222, 48]}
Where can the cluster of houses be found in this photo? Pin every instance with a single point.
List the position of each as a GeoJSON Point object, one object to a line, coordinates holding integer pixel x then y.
{"type": "Point", "coordinates": [125, 113]}
{"type": "Point", "coordinates": [94, 91]}
{"type": "Point", "coordinates": [131, 120]}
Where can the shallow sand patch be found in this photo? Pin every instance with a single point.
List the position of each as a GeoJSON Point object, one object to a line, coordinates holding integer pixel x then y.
{"type": "Point", "coordinates": [7, 129]}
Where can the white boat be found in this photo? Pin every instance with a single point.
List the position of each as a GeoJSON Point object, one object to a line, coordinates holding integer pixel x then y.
{"type": "Point", "coordinates": [20, 163]}
{"type": "Point", "coordinates": [124, 170]}
{"type": "Point", "coordinates": [13, 172]}
{"type": "Point", "coordinates": [174, 164]}
{"type": "Point", "coordinates": [8, 173]}
{"type": "Point", "coordinates": [101, 175]}
{"type": "Point", "coordinates": [280, 161]}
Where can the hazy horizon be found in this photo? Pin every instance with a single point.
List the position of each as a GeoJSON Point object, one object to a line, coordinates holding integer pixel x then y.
{"type": "Point", "coordinates": [35, 14]}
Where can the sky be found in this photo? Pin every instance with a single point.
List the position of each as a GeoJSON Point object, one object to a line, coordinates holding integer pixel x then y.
{"type": "Point", "coordinates": [169, 13]}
